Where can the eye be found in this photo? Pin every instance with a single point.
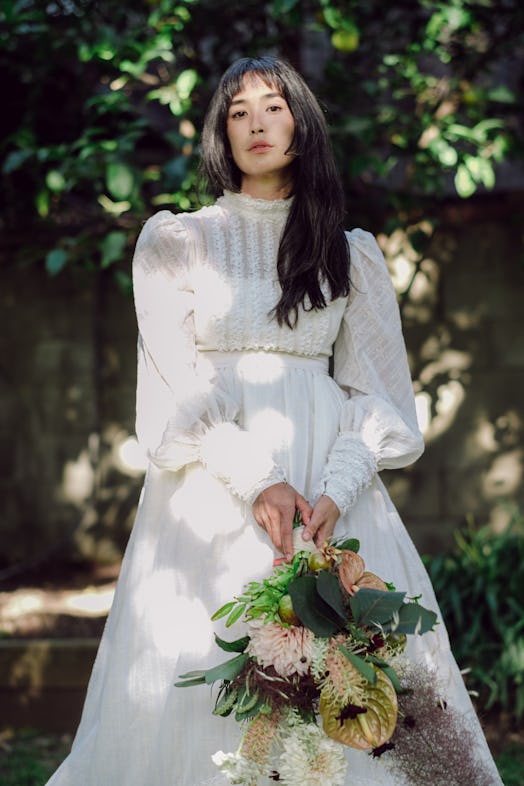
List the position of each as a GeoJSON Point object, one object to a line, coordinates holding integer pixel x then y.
{"type": "Point", "coordinates": [238, 114]}
{"type": "Point", "coordinates": [274, 108]}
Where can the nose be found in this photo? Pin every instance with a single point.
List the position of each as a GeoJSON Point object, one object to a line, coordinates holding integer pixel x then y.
{"type": "Point", "coordinates": [256, 123]}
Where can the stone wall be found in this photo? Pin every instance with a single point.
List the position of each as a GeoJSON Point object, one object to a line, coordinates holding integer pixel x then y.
{"type": "Point", "coordinates": [69, 480]}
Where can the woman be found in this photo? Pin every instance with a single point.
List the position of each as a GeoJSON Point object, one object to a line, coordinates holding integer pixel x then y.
{"type": "Point", "coordinates": [238, 307]}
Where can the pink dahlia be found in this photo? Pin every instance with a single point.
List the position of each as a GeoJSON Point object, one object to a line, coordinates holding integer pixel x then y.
{"type": "Point", "coordinates": [288, 650]}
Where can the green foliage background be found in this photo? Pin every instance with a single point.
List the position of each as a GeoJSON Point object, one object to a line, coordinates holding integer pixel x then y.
{"type": "Point", "coordinates": [104, 101]}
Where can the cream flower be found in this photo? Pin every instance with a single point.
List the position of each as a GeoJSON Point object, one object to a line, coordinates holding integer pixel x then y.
{"type": "Point", "coordinates": [236, 768]}
{"type": "Point", "coordinates": [310, 758]}
{"type": "Point", "coordinates": [288, 650]}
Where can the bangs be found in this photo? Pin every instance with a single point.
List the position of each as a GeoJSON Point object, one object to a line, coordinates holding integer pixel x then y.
{"type": "Point", "coordinates": [233, 80]}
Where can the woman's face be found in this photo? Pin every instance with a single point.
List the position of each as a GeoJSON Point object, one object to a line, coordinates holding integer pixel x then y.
{"type": "Point", "coordinates": [260, 129]}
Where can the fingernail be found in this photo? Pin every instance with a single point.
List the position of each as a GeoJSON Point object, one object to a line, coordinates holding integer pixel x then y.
{"type": "Point", "coordinates": [306, 535]}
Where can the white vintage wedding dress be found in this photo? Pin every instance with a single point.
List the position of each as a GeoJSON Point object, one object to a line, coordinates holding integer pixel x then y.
{"type": "Point", "coordinates": [228, 403]}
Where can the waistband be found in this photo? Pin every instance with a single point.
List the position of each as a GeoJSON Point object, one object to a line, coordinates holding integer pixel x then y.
{"type": "Point", "coordinates": [265, 360]}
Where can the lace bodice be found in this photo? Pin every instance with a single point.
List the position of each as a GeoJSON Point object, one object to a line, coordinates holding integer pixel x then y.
{"type": "Point", "coordinates": [207, 281]}
{"type": "Point", "coordinates": [226, 255]}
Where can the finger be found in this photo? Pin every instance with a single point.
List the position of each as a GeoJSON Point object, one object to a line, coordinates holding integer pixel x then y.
{"type": "Point", "coordinates": [311, 528]}
{"type": "Point", "coordinates": [304, 508]}
{"type": "Point", "coordinates": [321, 535]}
{"type": "Point", "coordinates": [274, 530]}
{"type": "Point", "coordinates": [286, 532]}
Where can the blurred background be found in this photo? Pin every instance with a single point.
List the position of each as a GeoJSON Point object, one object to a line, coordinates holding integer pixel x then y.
{"type": "Point", "coordinates": [102, 106]}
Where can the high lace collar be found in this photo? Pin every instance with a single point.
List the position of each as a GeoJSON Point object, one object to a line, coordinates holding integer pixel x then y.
{"type": "Point", "coordinates": [272, 209]}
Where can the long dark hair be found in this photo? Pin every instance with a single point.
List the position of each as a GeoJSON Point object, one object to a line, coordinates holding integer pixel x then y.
{"type": "Point", "coordinates": [313, 248]}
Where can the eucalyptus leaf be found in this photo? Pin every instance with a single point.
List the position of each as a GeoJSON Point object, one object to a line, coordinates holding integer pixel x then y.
{"type": "Point", "coordinates": [328, 588]}
{"type": "Point", "coordinates": [375, 607]}
{"type": "Point", "coordinates": [413, 618]}
{"type": "Point", "coordinates": [351, 544]}
{"type": "Point", "coordinates": [226, 671]}
{"type": "Point", "coordinates": [311, 610]}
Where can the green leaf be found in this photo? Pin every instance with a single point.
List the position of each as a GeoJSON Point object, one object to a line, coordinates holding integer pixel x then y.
{"type": "Point", "coordinates": [112, 247]}
{"type": "Point", "coordinates": [367, 671]}
{"type": "Point", "coordinates": [55, 181]}
{"type": "Point", "coordinates": [224, 610]}
{"type": "Point", "coordinates": [311, 610]}
{"type": "Point", "coordinates": [42, 202]}
{"type": "Point", "coordinates": [375, 607]}
{"type": "Point", "coordinates": [228, 670]}
{"type": "Point", "coordinates": [351, 544]}
{"type": "Point", "coordinates": [225, 702]}
{"type": "Point", "coordinates": [413, 618]}
{"type": "Point", "coordinates": [55, 261]}
{"type": "Point", "coordinates": [346, 40]}
{"type": "Point", "coordinates": [239, 645]}
{"type": "Point", "coordinates": [196, 673]}
{"type": "Point", "coordinates": [191, 678]}
{"type": "Point", "coordinates": [190, 683]}
{"type": "Point", "coordinates": [464, 182]}
{"type": "Point", "coordinates": [185, 83]}
{"type": "Point", "coordinates": [329, 590]}
{"type": "Point", "coordinates": [236, 614]}
{"type": "Point", "coordinates": [120, 180]}
{"type": "Point", "coordinates": [389, 671]}
{"type": "Point", "coordinates": [15, 160]}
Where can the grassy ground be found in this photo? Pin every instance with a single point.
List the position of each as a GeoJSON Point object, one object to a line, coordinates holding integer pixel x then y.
{"type": "Point", "coordinates": [28, 759]}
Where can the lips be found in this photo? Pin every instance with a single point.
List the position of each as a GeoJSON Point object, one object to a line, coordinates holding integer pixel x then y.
{"type": "Point", "coordinates": [260, 147]}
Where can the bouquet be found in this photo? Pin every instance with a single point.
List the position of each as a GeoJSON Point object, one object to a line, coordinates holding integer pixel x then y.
{"type": "Point", "coordinates": [317, 670]}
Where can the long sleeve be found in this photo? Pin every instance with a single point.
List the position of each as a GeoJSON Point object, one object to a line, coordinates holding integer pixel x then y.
{"type": "Point", "coordinates": [183, 416]}
{"type": "Point", "coordinates": [378, 425]}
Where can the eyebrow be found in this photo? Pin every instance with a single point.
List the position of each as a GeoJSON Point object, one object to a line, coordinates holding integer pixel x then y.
{"type": "Point", "coordinates": [266, 95]}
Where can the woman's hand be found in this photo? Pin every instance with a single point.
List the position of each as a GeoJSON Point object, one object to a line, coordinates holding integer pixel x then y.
{"type": "Point", "coordinates": [274, 510]}
{"type": "Point", "coordinates": [321, 524]}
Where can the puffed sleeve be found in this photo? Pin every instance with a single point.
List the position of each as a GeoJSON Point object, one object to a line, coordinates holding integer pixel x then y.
{"type": "Point", "coordinates": [183, 416]}
{"type": "Point", "coordinates": [378, 425]}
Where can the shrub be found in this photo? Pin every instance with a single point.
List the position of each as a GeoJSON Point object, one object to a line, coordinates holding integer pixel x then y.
{"type": "Point", "coordinates": [480, 587]}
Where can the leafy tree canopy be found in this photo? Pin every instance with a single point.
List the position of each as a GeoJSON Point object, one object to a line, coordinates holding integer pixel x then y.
{"type": "Point", "coordinates": [104, 101]}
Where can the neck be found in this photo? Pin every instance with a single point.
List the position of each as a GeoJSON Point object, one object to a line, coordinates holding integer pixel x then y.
{"type": "Point", "coordinates": [266, 188]}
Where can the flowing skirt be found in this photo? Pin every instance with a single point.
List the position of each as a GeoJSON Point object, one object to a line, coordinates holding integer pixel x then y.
{"type": "Point", "coordinates": [193, 547]}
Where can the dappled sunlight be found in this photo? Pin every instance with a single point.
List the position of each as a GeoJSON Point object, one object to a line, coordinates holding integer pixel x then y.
{"type": "Point", "coordinates": [196, 501]}
{"type": "Point", "coordinates": [272, 429]}
{"type": "Point", "coordinates": [423, 407]}
{"type": "Point", "coordinates": [131, 458]}
{"type": "Point", "coordinates": [402, 271]}
{"type": "Point", "coordinates": [214, 298]}
{"type": "Point", "coordinates": [261, 367]}
{"type": "Point", "coordinates": [504, 477]}
{"type": "Point", "coordinates": [20, 603]}
{"type": "Point", "coordinates": [91, 601]}
{"type": "Point", "coordinates": [77, 479]}
{"type": "Point", "coordinates": [436, 417]}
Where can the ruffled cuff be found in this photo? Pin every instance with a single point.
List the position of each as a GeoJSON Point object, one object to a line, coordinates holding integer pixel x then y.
{"type": "Point", "coordinates": [228, 453]}
{"type": "Point", "coordinates": [393, 442]}
{"type": "Point", "coordinates": [349, 470]}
